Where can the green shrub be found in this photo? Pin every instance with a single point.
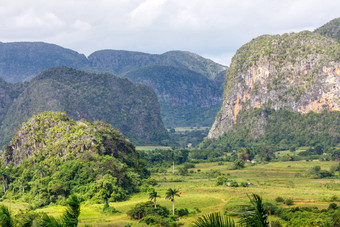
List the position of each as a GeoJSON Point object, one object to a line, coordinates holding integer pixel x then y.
{"type": "Point", "coordinates": [221, 180]}
{"type": "Point", "coordinates": [144, 209]}
{"type": "Point", "coordinates": [181, 212]}
{"type": "Point", "coordinates": [289, 202]}
{"type": "Point", "coordinates": [279, 199]}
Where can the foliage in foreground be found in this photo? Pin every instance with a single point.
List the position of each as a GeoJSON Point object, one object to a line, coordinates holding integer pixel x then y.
{"type": "Point", "coordinates": [214, 219]}
{"type": "Point", "coordinates": [28, 219]}
{"type": "Point", "coordinates": [259, 216]}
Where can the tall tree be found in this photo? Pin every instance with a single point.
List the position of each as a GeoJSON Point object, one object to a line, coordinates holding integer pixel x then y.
{"type": "Point", "coordinates": [170, 195]}
{"type": "Point", "coordinates": [153, 196]}
{"type": "Point", "coordinates": [259, 217]}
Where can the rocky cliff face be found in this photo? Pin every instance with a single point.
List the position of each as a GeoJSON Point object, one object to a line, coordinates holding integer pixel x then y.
{"type": "Point", "coordinates": [299, 72]}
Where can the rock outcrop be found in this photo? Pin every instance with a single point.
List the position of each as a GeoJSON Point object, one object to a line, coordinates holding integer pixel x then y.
{"type": "Point", "coordinates": [299, 72]}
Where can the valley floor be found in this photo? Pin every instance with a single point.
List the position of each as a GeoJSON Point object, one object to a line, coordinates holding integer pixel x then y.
{"type": "Point", "coordinates": [199, 191]}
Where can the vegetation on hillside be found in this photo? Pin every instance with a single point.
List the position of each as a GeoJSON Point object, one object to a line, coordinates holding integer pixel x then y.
{"type": "Point", "coordinates": [178, 86]}
{"type": "Point", "coordinates": [132, 108]}
{"type": "Point", "coordinates": [282, 128]}
{"type": "Point", "coordinates": [330, 29]}
{"type": "Point", "coordinates": [53, 156]}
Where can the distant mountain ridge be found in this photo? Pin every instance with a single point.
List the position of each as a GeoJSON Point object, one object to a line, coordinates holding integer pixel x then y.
{"type": "Point", "coordinates": [180, 78]}
{"type": "Point", "coordinates": [120, 62]}
{"type": "Point", "coordinates": [20, 61]}
{"type": "Point", "coordinates": [133, 108]}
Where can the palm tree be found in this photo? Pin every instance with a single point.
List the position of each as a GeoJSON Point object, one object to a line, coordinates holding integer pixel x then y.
{"type": "Point", "coordinates": [214, 219]}
{"type": "Point", "coordinates": [70, 217]}
{"type": "Point", "coordinates": [170, 195]}
{"type": "Point", "coordinates": [259, 217]}
{"type": "Point", "coordinates": [153, 196]}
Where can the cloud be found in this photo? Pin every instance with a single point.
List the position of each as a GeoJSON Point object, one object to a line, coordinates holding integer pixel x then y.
{"type": "Point", "coordinates": [214, 28]}
{"type": "Point", "coordinates": [30, 19]}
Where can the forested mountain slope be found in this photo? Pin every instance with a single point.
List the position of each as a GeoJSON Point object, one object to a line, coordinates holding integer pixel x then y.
{"type": "Point", "coordinates": [132, 108]}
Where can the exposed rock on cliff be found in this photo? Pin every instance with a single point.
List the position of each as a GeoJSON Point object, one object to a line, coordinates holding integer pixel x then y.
{"type": "Point", "coordinates": [299, 72]}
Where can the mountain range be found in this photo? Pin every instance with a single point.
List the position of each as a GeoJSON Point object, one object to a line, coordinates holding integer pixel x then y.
{"type": "Point", "coordinates": [184, 82]}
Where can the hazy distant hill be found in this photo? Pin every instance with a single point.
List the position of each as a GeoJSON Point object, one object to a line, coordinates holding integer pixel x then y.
{"type": "Point", "coordinates": [120, 62]}
{"type": "Point", "coordinates": [178, 86]}
{"type": "Point", "coordinates": [331, 29]}
{"type": "Point", "coordinates": [133, 108]}
{"type": "Point", "coordinates": [8, 92]}
{"type": "Point", "coordinates": [196, 82]}
{"type": "Point", "coordinates": [22, 60]}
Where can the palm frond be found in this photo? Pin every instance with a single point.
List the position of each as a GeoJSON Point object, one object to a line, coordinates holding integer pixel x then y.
{"type": "Point", "coordinates": [214, 220]}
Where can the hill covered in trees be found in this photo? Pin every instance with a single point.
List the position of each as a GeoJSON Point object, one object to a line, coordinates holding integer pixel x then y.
{"type": "Point", "coordinates": [187, 98]}
{"type": "Point", "coordinates": [52, 156]}
{"type": "Point", "coordinates": [330, 29]}
{"type": "Point", "coordinates": [274, 81]}
{"type": "Point", "coordinates": [132, 108]}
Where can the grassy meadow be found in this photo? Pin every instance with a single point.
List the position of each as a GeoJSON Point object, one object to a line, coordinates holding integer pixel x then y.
{"type": "Point", "coordinates": [200, 195]}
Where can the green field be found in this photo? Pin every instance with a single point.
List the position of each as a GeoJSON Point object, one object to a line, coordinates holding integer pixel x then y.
{"type": "Point", "coordinates": [151, 148]}
{"type": "Point", "coordinates": [198, 190]}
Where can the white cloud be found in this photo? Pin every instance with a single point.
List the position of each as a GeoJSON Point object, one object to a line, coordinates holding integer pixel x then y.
{"type": "Point", "coordinates": [214, 28]}
{"type": "Point", "coordinates": [145, 14]}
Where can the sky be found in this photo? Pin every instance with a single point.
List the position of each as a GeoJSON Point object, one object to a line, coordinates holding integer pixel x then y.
{"type": "Point", "coordinates": [214, 29]}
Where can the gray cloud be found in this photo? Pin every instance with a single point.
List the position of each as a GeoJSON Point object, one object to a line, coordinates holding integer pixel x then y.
{"type": "Point", "coordinates": [214, 28]}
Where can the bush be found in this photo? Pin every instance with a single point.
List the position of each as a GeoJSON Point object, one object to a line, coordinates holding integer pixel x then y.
{"type": "Point", "coordinates": [332, 206]}
{"type": "Point", "coordinates": [141, 210]}
{"type": "Point", "coordinates": [221, 180]}
{"type": "Point", "coordinates": [275, 224]}
{"type": "Point", "coordinates": [244, 184]}
{"type": "Point", "coordinates": [182, 212]}
{"type": "Point", "coordinates": [289, 202]}
{"type": "Point", "coordinates": [109, 210]}
{"type": "Point", "coordinates": [232, 183]}
{"type": "Point", "coordinates": [189, 165]}
{"type": "Point", "coordinates": [279, 199]}
{"type": "Point", "coordinates": [238, 164]}
{"type": "Point", "coordinates": [158, 221]}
